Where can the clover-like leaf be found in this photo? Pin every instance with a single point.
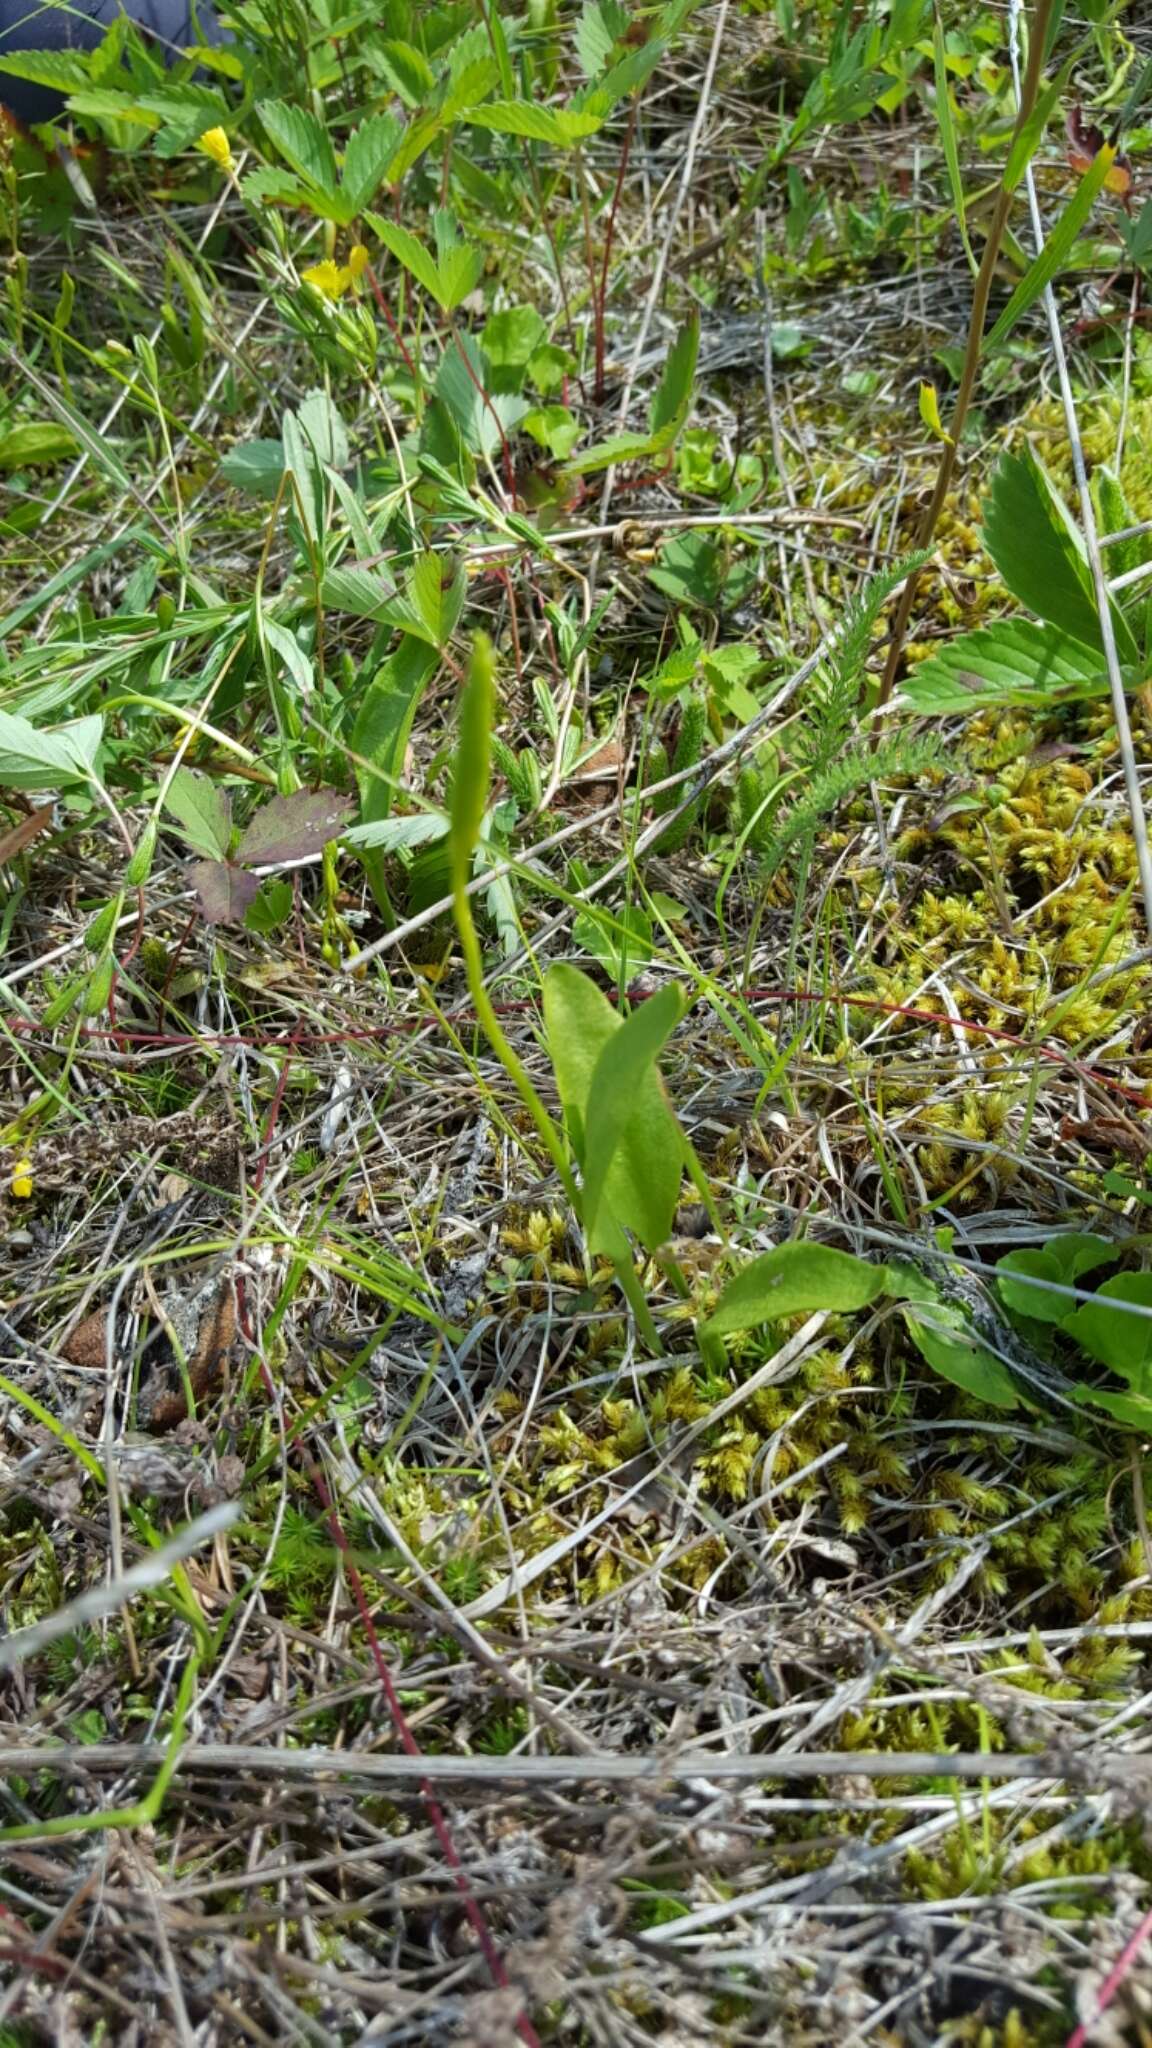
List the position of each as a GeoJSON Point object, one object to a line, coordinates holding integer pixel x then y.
{"type": "Point", "coordinates": [223, 892]}
{"type": "Point", "coordinates": [293, 827]}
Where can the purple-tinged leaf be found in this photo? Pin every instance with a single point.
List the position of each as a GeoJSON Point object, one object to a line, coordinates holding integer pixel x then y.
{"type": "Point", "coordinates": [292, 827]}
{"type": "Point", "coordinates": [223, 892]}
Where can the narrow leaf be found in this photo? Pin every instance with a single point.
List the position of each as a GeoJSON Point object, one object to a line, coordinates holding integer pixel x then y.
{"type": "Point", "coordinates": [384, 723]}
{"type": "Point", "coordinates": [674, 392]}
{"type": "Point", "coordinates": [472, 765]}
{"type": "Point", "coordinates": [1057, 248]}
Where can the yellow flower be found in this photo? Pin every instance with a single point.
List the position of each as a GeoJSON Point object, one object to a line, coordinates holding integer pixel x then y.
{"type": "Point", "coordinates": [334, 279]}
{"type": "Point", "coordinates": [214, 143]}
{"type": "Point", "coordinates": [22, 1179]}
{"type": "Point", "coordinates": [327, 278]}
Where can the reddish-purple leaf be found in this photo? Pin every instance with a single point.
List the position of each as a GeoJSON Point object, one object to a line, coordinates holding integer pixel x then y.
{"type": "Point", "coordinates": [292, 827]}
{"type": "Point", "coordinates": [223, 892]}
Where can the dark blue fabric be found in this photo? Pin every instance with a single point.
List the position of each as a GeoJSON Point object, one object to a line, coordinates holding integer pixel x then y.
{"type": "Point", "coordinates": [79, 25]}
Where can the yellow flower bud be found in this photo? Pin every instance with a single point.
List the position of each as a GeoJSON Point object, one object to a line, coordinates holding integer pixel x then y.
{"type": "Point", "coordinates": [22, 1179]}
{"type": "Point", "coordinates": [357, 261]}
{"type": "Point", "coordinates": [215, 144]}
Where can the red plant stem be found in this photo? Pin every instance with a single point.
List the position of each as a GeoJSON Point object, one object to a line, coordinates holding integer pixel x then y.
{"type": "Point", "coordinates": [601, 295]}
{"type": "Point", "coordinates": [180, 1041]}
{"type": "Point", "coordinates": [408, 1742]}
{"type": "Point", "coordinates": [1113, 1981]}
{"type": "Point", "coordinates": [505, 578]}
{"type": "Point", "coordinates": [385, 308]}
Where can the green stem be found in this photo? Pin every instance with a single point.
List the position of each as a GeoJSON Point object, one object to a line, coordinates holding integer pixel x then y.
{"type": "Point", "coordinates": [981, 292]}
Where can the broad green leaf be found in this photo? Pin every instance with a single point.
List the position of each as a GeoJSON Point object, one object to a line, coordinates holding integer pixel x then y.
{"type": "Point", "coordinates": [620, 941]}
{"type": "Point", "coordinates": [393, 834]}
{"type": "Point", "coordinates": [510, 338]}
{"type": "Point", "coordinates": [942, 1336]}
{"type": "Point", "coordinates": [412, 254]}
{"type": "Point", "coordinates": [254, 466]}
{"type": "Point", "coordinates": [1061, 1263]}
{"type": "Point", "coordinates": [1014, 662]}
{"type": "Point", "coordinates": [31, 759]}
{"type": "Point", "coordinates": [302, 141]}
{"type": "Point", "coordinates": [674, 392]}
{"type": "Point", "coordinates": [296, 661]}
{"type": "Point", "coordinates": [202, 810]}
{"type": "Point", "coordinates": [628, 1124]}
{"type": "Point", "coordinates": [1014, 1274]}
{"type": "Point", "coordinates": [36, 442]}
{"type": "Point", "coordinates": [1115, 1327]}
{"type": "Point", "coordinates": [436, 590]}
{"type": "Point", "coordinates": [370, 150]}
{"type": "Point", "coordinates": [1134, 1410]}
{"type": "Point", "coordinates": [1056, 251]}
{"type": "Point", "coordinates": [602, 454]}
{"type": "Point", "coordinates": [554, 428]}
{"type": "Point", "coordinates": [472, 762]}
{"type": "Point", "coordinates": [383, 724]}
{"type": "Point", "coordinates": [579, 1022]}
{"type": "Point", "coordinates": [480, 415]}
{"type": "Point", "coordinates": [366, 593]}
{"type": "Point", "coordinates": [1030, 535]}
{"type": "Point", "coordinates": [561, 126]}
{"type": "Point", "coordinates": [794, 1280]}
{"type": "Point", "coordinates": [325, 429]}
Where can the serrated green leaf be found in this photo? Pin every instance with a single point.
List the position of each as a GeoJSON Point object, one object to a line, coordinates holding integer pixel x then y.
{"type": "Point", "coordinates": [1031, 537]}
{"type": "Point", "coordinates": [367, 157]}
{"type": "Point", "coordinates": [202, 810]}
{"type": "Point", "coordinates": [413, 255]}
{"type": "Point", "coordinates": [406, 69]}
{"type": "Point", "coordinates": [1014, 662]}
{"type": "Point", "coordinates": [460, 273]}
{"type": "Point", "coordinates": [303, 142]}
{"type": "Point", "coordinates": [560, 126]}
